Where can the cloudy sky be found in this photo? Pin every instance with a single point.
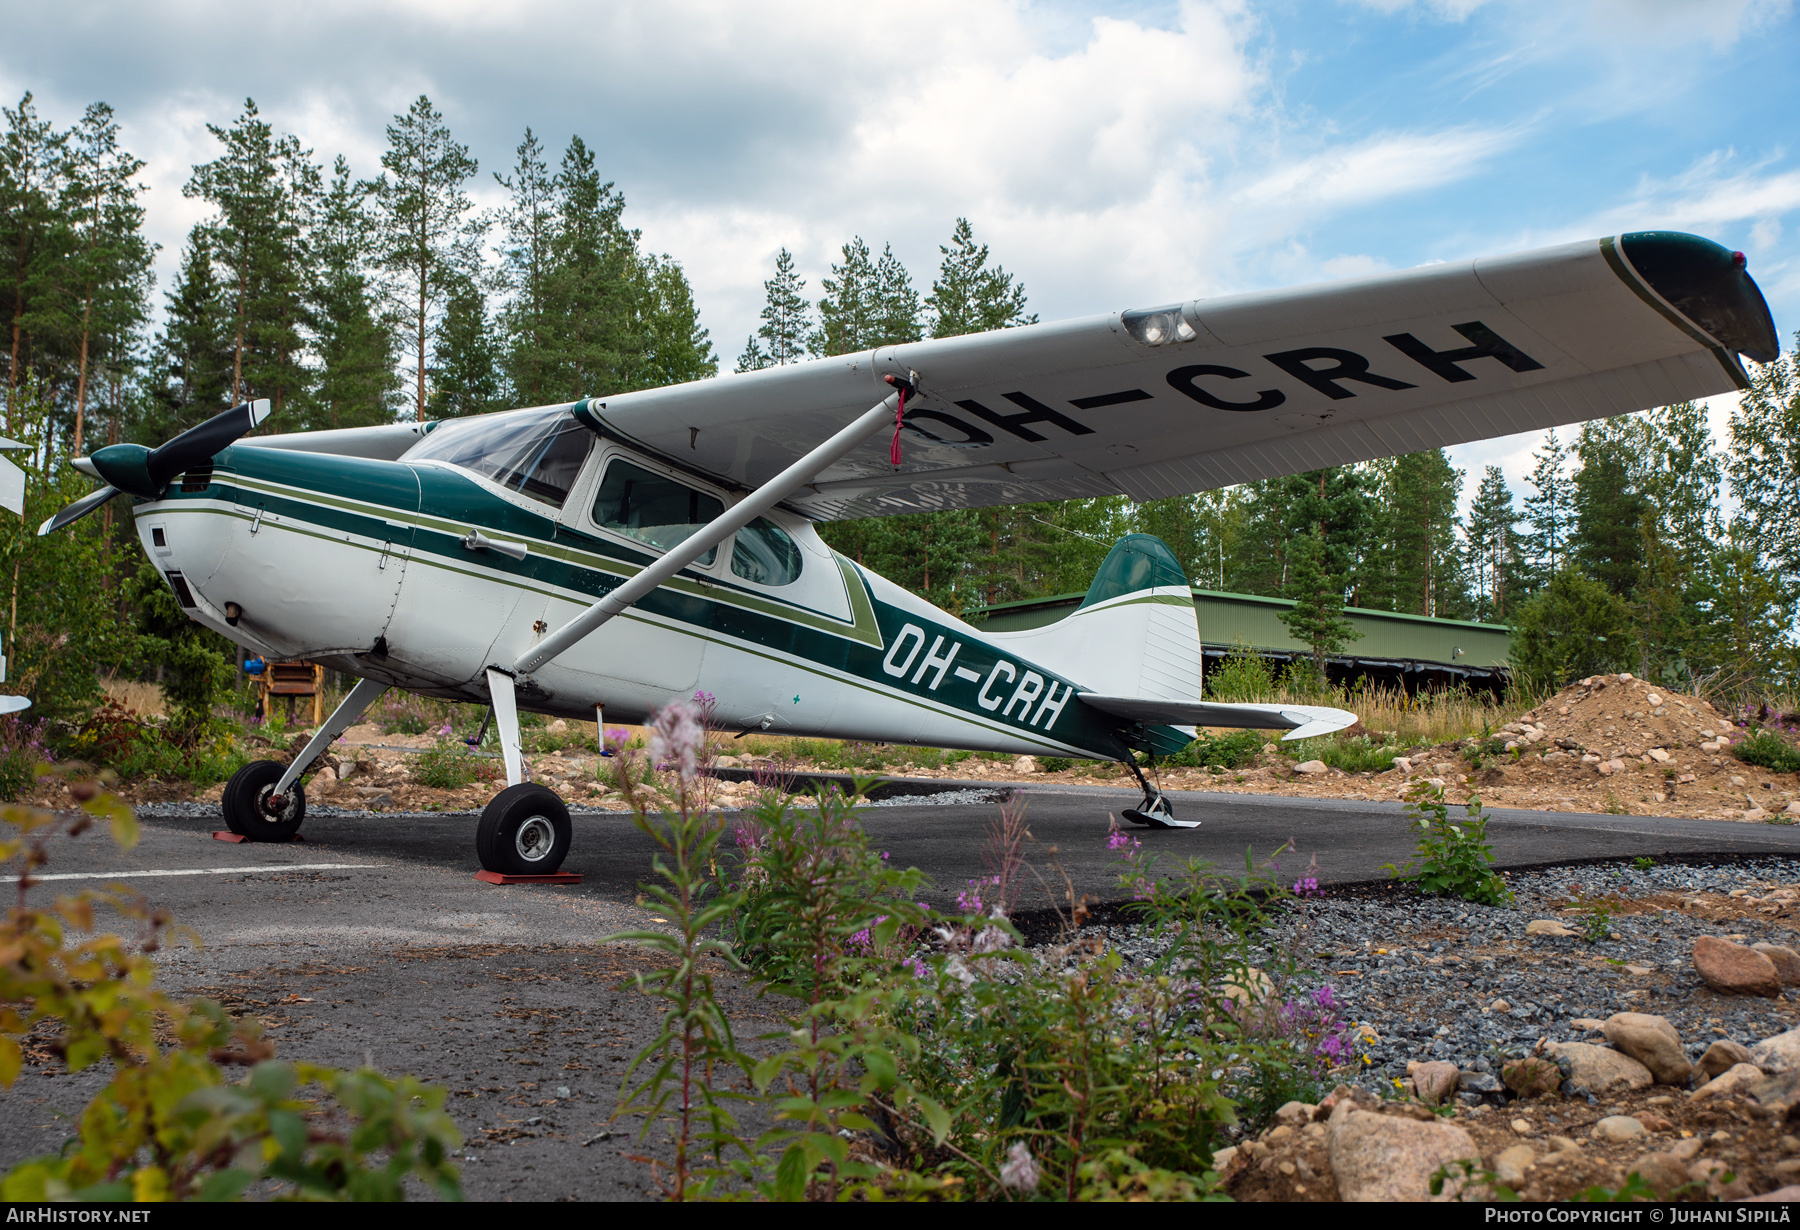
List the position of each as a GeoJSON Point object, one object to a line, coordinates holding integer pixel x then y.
{"type": "Point", "coordinates": [1113, 154]}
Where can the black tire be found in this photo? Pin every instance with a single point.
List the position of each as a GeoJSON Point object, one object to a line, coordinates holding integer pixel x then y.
{"type": "Point", "coordinates": [525, 831]}
{"type": "Point", "coordinates": [246, 803]}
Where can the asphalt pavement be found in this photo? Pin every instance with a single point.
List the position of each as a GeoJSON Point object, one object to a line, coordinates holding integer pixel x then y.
{"type": "Point", "coordinates": [371, 942]}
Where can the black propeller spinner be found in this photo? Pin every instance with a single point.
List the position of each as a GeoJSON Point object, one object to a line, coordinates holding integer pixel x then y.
{"type": "Point", "coordinates": [145, 472]}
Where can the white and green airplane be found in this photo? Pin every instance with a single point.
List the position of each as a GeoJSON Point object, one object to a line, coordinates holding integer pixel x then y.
{"type": "Point", "coordinates": [619, 552]}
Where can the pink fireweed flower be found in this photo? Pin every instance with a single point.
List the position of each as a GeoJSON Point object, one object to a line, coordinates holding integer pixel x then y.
{"type": "Point", "coordinates": [677, 739]}
{"type": "Point", "coordinates": [1019, 1171]}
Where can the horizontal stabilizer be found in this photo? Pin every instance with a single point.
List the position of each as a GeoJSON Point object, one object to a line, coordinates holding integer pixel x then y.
{"type": "Point", "coordinates": [1300, 721]}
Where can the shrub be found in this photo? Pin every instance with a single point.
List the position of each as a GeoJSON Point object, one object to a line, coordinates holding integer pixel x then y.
{"type": "Point", "coordinates": [402, 713]}
{"type": "Point", "coordinates": [1244, 676]}
{"type": "Point", "coordinates": [1768, 750]}
{"type": "Point", "coordinates": [451, 766]}
{"type": "Point", "coordinates": [1055, 764]}
{"type": "Point", "coordinates": [168, 1125]}
{"type": "Point", "coordinates": [1452, 860]}
{"type": "Point", "coordinates": [21, 750]}
{"type": "Point", "coordinates": [1233, 751]}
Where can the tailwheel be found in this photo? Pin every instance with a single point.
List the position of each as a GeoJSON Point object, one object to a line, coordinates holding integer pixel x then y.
{"type": "Point", "coordinates": [1154, 812]}
{"type": "Point", "coordinates": [525, 831]}
{"type": "Point", "coordinates": [251, 809]}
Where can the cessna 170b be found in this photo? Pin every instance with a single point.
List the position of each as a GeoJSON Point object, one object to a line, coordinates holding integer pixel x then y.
{"type": "Point", "coordinates": [619, 551]}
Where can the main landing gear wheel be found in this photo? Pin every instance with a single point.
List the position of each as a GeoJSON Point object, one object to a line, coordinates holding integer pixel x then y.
{"type": "Point", "coordinates": [525, 831]}
{"type": "Point", "coordinates": [247, 800]}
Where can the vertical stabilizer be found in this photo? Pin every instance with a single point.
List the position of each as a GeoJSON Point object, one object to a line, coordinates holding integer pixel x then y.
{"type": "Point", "coordinates": [1135, 633]}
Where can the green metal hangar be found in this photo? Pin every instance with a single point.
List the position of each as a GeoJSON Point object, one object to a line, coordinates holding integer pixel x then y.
{"type": "Point", "coordinates": [1414, 652]}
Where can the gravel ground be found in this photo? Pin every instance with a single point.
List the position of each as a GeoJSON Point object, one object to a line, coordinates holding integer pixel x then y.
{"type": "Point", "coordinates": [1424, 974]}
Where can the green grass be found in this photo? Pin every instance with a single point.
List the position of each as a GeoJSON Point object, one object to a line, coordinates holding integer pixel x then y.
{"type": "Point", "coordinates": [1233, 751]}
{"type": "Point", "coordinates": [1768, 750]}
{"type": "Point", "coordinates": [450, 766]}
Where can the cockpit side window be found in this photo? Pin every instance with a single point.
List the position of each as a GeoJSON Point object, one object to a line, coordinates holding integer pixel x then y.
{"type": "Point", "coordinates": [538, 455]}
{"type": "Point", "coordinates": [653, 509]}
{"type": "Point", "coordinates": [765, 554]}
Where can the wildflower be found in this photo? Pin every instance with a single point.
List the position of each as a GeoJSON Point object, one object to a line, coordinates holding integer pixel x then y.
{"type": "Point", "coordinates": [678, 738]}
{"type": "Point", "coordinates": [1019, 1171]}
{"type": "Point", "coordinates": [1307, 886]}
{"type": "Point", "coordinates": [959, 969]}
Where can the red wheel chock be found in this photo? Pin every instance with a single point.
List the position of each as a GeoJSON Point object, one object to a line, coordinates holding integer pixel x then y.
{"type": "Point", "coordinates": [496, 877]}
{"type": "Point", "coordinates": [238, 837]}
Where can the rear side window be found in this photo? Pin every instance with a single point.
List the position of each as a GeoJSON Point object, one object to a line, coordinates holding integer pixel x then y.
{"type": "Point", "coordinates": [765, 554]}
{"type": "Point", "coordinates": [653, 509]}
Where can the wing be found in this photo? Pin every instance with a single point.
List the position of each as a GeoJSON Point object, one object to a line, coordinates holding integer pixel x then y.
{"type": "Point", "coordinates": [1300, 721]}
{"type": "Point", "coordinates": [1198, 395]}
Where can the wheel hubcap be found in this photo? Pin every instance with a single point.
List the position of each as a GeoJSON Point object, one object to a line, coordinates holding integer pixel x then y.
{"type": "Point", "coordinates": [275, 815]}
{"type": "Point", "coordinates": [534, 839]}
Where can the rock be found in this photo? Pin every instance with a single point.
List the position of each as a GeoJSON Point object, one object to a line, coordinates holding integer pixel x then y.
{"type": "Point", "coordinates": [1653, 1122]}
{"type": "Point", "coordinates": [1732, 969]}
{"type": "Point", "coordinates": [1787, 962]}
{"type": "Point", "coordinates": [1639, 971]}
{"type": "Point", "coordinates": [1499, 1005]}
{"type": "Point", "coordinates": [1658, 755]}
{"type": "Point", "coordinates": [1295, 1114]}
{"type": "Point", "coordinates": [1252, 988]}
{"type": "Point", "coordinates": [1025, 764]}
{"type": "Point", "coordinates": [558, 727]}
{"type": "Point", "coordinates": [1662, 1171]}
{"type": "Point", "coordinates": [1360, 1098]}
{"type": "Point", "coordinates": [1586, 1022]}
{"type": "Point", "coordinates": [1711, 1171]}
{"type": "Point", "coordinates": [1781, 1195]}
{"type": "Point", "coordinates": [1684, 1151]}
{"type": "Point", "coordinates": [1546, 926]}
{"type": "Point", "coordinates": [1532, 1077]}
{"type": "Point", "coordinates": [1435, 1081]}
{"type": "Point", "coordinates": [1618, 1128]}
{"type": "Point", "coordinates": [1721, 1055]}
{"type": "Point", "coordinates": [1478, 1082]}
{"type": "Point", "coordinates": [1653, 1042]}
{"type": "Point", "coordinates": [1777, 1094]}
{"type": "Point", "coordinates": [1521, 1126]}
{"type": "Point", "coordinates": [1511, 1165]}
{"type": "Point", "coordinates": [1312, 766]}
{"type": "Point", "coordinates": [1778, 1054]}
{"type": "Point", "coordinates": [1386, 1158]}
{"type": "Point", "coordinates": [1728, 1082]}
{"type": "Point", "coordinates": [1600, 1069]}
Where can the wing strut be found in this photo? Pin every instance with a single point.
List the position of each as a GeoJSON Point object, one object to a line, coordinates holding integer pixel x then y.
{"type": "Point", "coordinates": [707, 537]}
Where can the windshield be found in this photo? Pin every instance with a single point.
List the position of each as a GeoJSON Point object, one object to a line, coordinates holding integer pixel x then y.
{"type": "Point", "coordinates": [537, 453]}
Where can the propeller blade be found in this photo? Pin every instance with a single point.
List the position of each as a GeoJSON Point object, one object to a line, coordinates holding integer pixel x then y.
{"type": "Point", "coordinates": [76, 511]}
{"type": "Point", "coordinates": [145, 472]}
{"type": "Point", "coordinates": [197, 445]}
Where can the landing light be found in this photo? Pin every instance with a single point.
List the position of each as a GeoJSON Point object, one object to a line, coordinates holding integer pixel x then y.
{"type": "Point", "coordinates": [1158, 326]}
{"type": "Point", "coordinates": [233, 613]}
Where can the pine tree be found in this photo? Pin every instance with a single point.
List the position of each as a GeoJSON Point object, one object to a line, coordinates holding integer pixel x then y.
{"type": "Point", "coordinates": [1550, 511]}
{"type": "Point", "coordinates": [1763, 463]}
{"type": "Point", "coordinates": [848, 312]}
{"type": "Point", "coordinates": [1493, 546]}
{"type": "Point", "coordinates": [352, 340]}
{"type": "Point", "coordinates": [781, 338]}
{"type": "Point", "coordinates": [1316, 617]}
{"type": "Point", "coordinates": [32, 239]}
{"type": "Point", "coordinates": [967, 296]}
{"type": "Point", "coordinates": [528, 233]}
{"type": "Point", "coordinates": [264, 190]}
{"type": "Point", "coordinates": [195, 350]}
{"type": "Point", "coordinates": [423, 218]}
{"type": "Point", "coordinates": [108, 272]}
{"type": "Point", "coordinates": [1684, 478]}
{"type": "Point", "coordinates": [592, 287]}
{"type": "Point", "coordinates": [1609, 506]}
{"type": "Point", "coordinates": [675, 348]}
{"type": "Point", "coordinates": [896, 303]}
{"type": "Point", "coordinates": [465, 371]}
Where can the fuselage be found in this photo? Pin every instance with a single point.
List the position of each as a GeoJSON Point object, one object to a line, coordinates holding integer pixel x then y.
{"type": "Point", "coordinates": [368, 566]}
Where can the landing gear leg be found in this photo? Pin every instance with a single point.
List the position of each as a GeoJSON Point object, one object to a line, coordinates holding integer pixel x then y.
{"type": "Point", "coordinates": [526, 829]}
{"type": "Point", "coordinates": [1154, 812]}
{"type": "Point", "coordinates": [264, 801]}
